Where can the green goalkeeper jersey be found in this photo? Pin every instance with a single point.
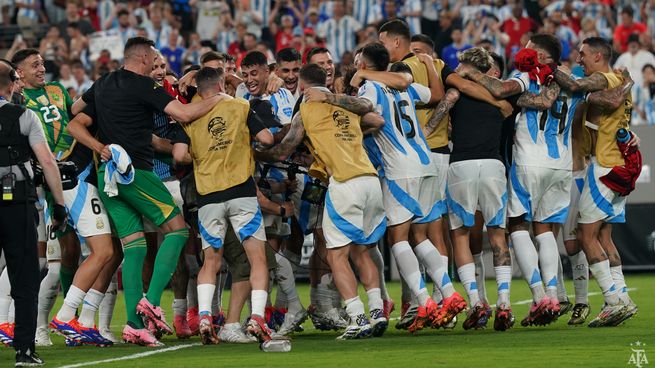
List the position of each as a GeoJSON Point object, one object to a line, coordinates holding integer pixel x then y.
{"type": "Point", "coordinates": [52, 104]}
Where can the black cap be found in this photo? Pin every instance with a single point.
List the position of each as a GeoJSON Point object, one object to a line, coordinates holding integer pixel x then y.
{"type": "Point", "coordinates": [634, 38]}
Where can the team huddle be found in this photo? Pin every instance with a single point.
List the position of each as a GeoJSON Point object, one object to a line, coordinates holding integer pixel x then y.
{"type": "Point", "coordinates": [184, 181]}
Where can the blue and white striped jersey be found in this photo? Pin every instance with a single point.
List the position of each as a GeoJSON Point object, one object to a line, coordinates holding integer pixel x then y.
{"type": "Point", "coordinates": [225, 39]}
{"type": "Point", "coordinates": [367, 11]}
{"type": "Point", "coordinates": [263, 9]}
{"type": "Point", "coordinates": [340, 36]}
{"type": "Point", "coordinates": [282, 101]}
{"type": "Point", "coordinates": [399, 147]}
{"type": "Point", "coordinates": [26, 12]}
{"type": "Point", "coordinates": [543, 138]}
{"type": "Point", "coordinates": [414, 23]}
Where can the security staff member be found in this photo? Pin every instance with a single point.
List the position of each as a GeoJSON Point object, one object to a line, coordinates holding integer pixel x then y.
{"type": "Point", "coordinates": [21, 137]}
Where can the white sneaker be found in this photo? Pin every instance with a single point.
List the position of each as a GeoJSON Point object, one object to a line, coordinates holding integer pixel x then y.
{"type": "Point", "coordinates": [359, 328]}
{"type": "Point", "coordinates": [107, 334]}
{"type": "Point", "coordinates": [335, 318]}
{"type": "Point", "coordinates": [291, 322]}
{"type": "Point", "coordinates": [233, 333]}
{"type": "Point", "coordinates": [42, 337]}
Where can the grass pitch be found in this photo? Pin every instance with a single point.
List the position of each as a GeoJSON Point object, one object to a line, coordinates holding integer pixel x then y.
{"type": "Point", "coordinates": [557, 345]}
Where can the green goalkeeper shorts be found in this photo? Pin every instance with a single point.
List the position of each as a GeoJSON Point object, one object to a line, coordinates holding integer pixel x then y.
{"type": "Point", "coordinates": [145, 197]}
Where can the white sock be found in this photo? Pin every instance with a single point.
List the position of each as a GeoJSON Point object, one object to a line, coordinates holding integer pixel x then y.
{"type": "Point", "coordinates": [429, 256]}
{"type": "Point", "coordinates": [43, 262]}
{"type": "Point", "coordinates": [179, 307]}
{"type": "Point", "coordinates": [580, 269]}
{"type": "Point", "coordinates": [107, 305]}
{"type": "Point", "coordinates": [561, 288]}
{"type": "Point", "coordinates": [374, 299]}
{"type": "Point", "coordinates": [619, 281]}
{"type": "Point", "coordinates": [528, 261]}
{"type": "Point", "coordinates": [11, 316]}
{"type": "Point", "coordinates": [48, 294]}
{"type": "Point", "coordinates": [548, 259]}
{"type": "Point", "coordinates": [192, 293]}
{"type": "Point", "coordinates": [480, 277]}
{"type": "Point", "coordinates": [467, 277]}
{"type": "Point", "coordinates": [5, 296]}
{"type": "Point", "coordinates": [504, 281]}
{"type": "Point", "coordinates": [287, 282]}
{"type": "Point", "coordinates": [73, 299]}
{"type": "Point", "coordinates": [603, 276]}
{"type": "Point", "coordinates": [408, 268]}
{"type": "Point", "coordinates": [258, 302]}
{"type": "Point", "coordinates": [205, 296]}
{"type": "Point", "coordinates": [354, 307]}
{"type": "Point", "coordinates": [216, 298]}
{"type": "Point", "coordinates": [406, 294]}
{"type": "Point", "coordinates": [324, 294]}
{"type": "Point", "coordinates": [221, 279]}
{"type": "Point", "coordinates": [376, 256]}
{"type": "Point", "coordinates": [90, 306]}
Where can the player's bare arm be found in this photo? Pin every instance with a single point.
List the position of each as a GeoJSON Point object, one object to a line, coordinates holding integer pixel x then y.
{"type": "Point", "coordinates": [447, 103]}
{"type": "Point", "coordinates": [79, 129]}
{"type": "Point", "coordinates": [162, 145]}
{"type": "Point", "coordinates": [613, 98]}
{"type": "Point", "coordinates": [434, 82]}
{"type": "Point", "coordinates": [78, 106]}
{"type": "Point", "coordinates": [399, 81]}
{"type": "Point", "coordinates": [498, 88]}
{"type": "Point", "coordinates": [357, 105]}
{"type": "Point", "coordinates": [187, 113]}
{"type": "Point", "coordinates": [476, 91]}
{"type": "Point", "coordinates": [541, 101]}
{"type": "Point", "coordinates": [282, 150]}
{"type": "Point", "coordinates": [371, 122]}
{"type": "Point", "coordinates": [181, 154]}
{"type": "Point", "coordinates": [592, 83]}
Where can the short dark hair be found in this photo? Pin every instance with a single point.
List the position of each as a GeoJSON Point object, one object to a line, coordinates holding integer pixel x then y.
{"type": "Point", "coordinates": [23, 54]}
{"type": "Point", "coordinates": [288, 54]}
{"type": "Point", "coordinates": [313, 74]}
{"type": "Point", "coordinates": [254, 58]}
{"type": "Point", "coordinates": [628, 10]}
{"type": "Point", "coordinates": [315, 51]}
{"type": "Point", "coordinates": [74, 25]}
{"type": "Point", "coordinates": [648, 66]}
{"type": "Point", "coordinates": [251, 35]}
{"type": "Point", "coordinates": [122, 12]}
{"type": "Point", "coordinates": [400, 68]}
{"type": "Point", "coordinates": [137, 42]}
{"type": "Point", "coordinates": [549, 43]}
{"type": "Point", "coordinates": [376, 55]}
{"type": "Point", "coordinates": [77, 63]}
{"type": "Point", "coordinates": [599, 44]}
{"type": "Point", "coordinates": [423, 39]}
{"type": "Point", "coordinates": [634, 37]}
{"type": "Point", "coordinates": [211, 56]}
{"type": "Point", "coordinates": [498, 60]}
{"type": "Point", "coordinates": [396, 27]}
{"type": "Point", "coordinates": [208, 77]}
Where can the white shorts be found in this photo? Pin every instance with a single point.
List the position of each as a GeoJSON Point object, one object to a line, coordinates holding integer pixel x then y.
{"type": "Point", "coordinates": [86, 212]}
{"type": "Point", "coordinates": [353, 212]}
{"type": "Point", "coordinates": [541, 194]}
{"type": "Point", "coordinates": [476, 185]}
{"type": "Point", "coordinates": [173, 187]}
{"type": "Point", "coordinates": [243, 213]}
{"type": "Point", "coordinates": [413, 199]}
{"type": "Point", "coordinates": [570, 228]}
{"type": "Point", "coordinates": [309, 215]}
{"type": "Point", "coordinates": [440, 163]}
{"type": "Point", "coordinates": [597, 201]}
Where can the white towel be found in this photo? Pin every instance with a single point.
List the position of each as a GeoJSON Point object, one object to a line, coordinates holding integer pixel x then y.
{"type": "Point", "coordinates": [118, 170]}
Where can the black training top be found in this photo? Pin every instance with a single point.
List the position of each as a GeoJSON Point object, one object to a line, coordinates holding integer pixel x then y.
{"type": "Point", "coordinates": [476, 130]}
{"type": "Point", "coordinates": [124, 103]}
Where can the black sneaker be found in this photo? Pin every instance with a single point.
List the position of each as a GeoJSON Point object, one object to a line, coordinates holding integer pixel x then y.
{"type": "Point", "coordinates": [28, 358]}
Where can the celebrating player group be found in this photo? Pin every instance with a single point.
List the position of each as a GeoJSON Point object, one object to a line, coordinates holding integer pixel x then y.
{"type": "Point", "coordinates": [229, 168]}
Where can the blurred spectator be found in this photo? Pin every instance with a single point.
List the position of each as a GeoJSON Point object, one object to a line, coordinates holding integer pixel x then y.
{"type": "Point", "coordinates": [390, 10]}
{"type": "Point", "coordinates": [369, 34]}
{"type": "Point", "coordinates": [340, 31]}
{"type": "Point", "coordinates": [225, 33]}
{"type": "Point", "coordinates": [210, 13]}
{"type": "Point", "coordinates": [73, 16]}
{"type": "Point", "coordinates": [627, 27]}
{"type": "Point", "coordinates": [173, 53]}
{"type": "Point", "coordinates": [251, 19]}
{"type": "Point", "coordinates": [89, 11]}
{"type": "Point", "coordinates": [649, 11]}
{"type": "Point", "coordinates": [430, 17]}
{"type": "Point", "coordinates": [158, 30]}
{"type": "Point", "coordinates": [193, 51]}
{"type": "Point", "coordinates": [312, 20]}
{"type": "Point", "coordinates": [515, 27]}
{"type": "Point", "coordinates": [588, 28]}
{"type": "Point", "coordinates": [124, 28]}
{"type": "Point", "coordinates": [66, 77]}
{"type": "Point", "coordinates": [450, 52]}
{"type": "Point", "coordinates": [634, 60]}
{"type": "Point", "coordinates": [411, 11]}
{"type": "Point", "coordinates": [29, 13]}
{"type": "Point", "coordinates": [643, 98]}
{"type": "Point", "coordinates": [105, 11]}
{"type": "Point", "coordinates": [78, 42]}
{"type": "Point", "coordinates": [82, 81]}
{"type": "Point", "coordinates": [249, 43]}
{"type": "Point", "coordinates": [182, 9]}
{"type": "Point", "coordinates": [474, 11]}
{"type": "Point", "coordinates": [488, 30]}
{"type": "Point", "coordinates": [283, 35]}
{"type": "Point", "coordinates": [367, 11]}
{"type": "Point", "coordinates": [265, 49]}
{"type": "Point", "coordinates": [443, 38]}
{"type": "Point", "coordinates": [53, 49]}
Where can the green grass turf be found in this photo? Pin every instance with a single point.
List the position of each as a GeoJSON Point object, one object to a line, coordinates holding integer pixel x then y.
{"type": "Point", "coordinates": [557, 345]}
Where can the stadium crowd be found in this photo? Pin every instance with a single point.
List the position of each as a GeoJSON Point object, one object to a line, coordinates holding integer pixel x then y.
{"type": "Point", "coordinates": [412, 124]}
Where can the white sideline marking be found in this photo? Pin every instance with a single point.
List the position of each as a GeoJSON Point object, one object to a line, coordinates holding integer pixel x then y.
{"type": "Point", "coordinates": [528, 301]}
{"type": "Point", "coordinates": [133, 356]}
